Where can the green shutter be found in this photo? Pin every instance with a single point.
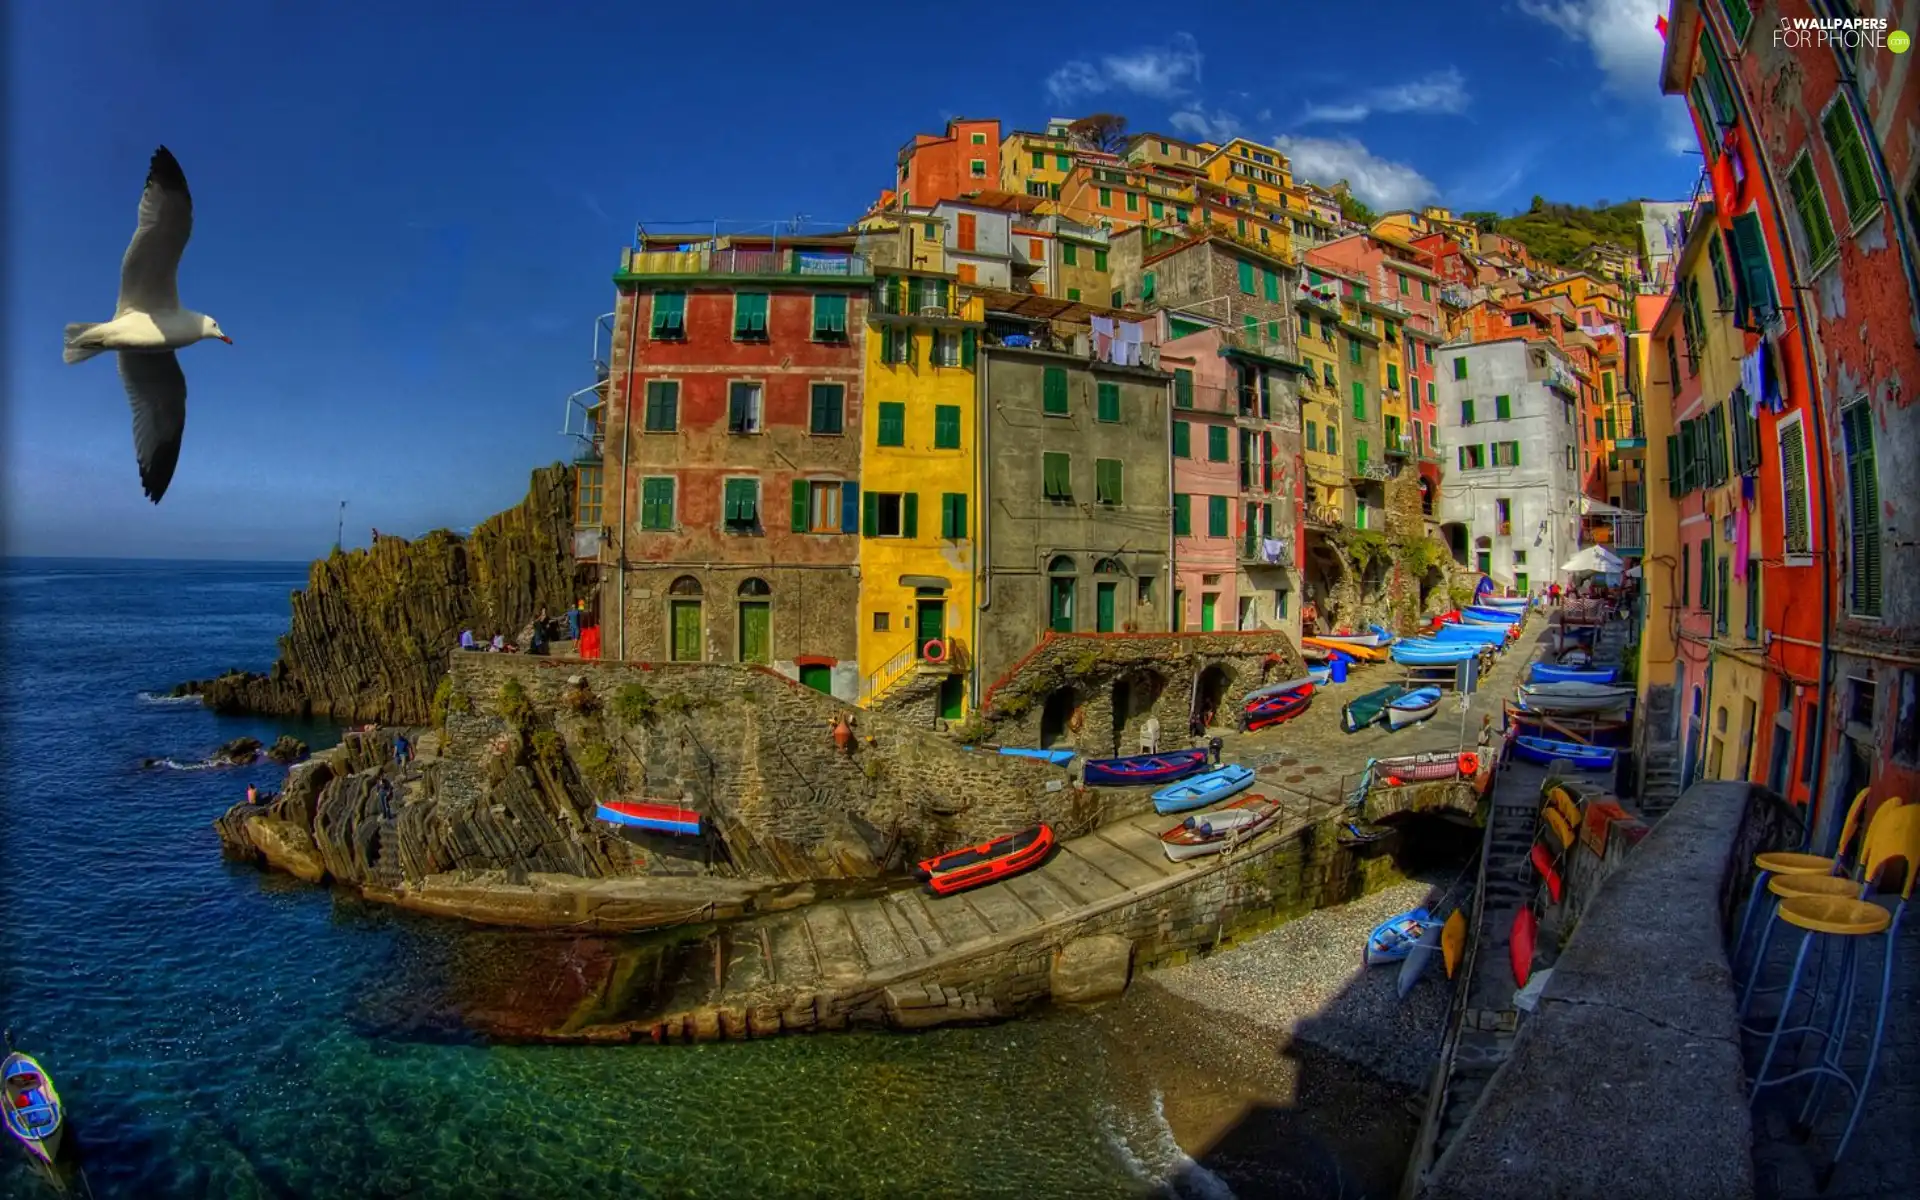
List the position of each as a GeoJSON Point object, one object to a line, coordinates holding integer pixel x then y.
{"type": "Point", "coordinates": [1755, 273]}
{"type": "Point", "coordinates": [1056, 480]}
{"type": "Point", "coordinates": [1466, 412]}
{"type": "Point", "coordinates": [910, 515]}
{"type": "Point", "coordinates": [1216, 516]}
{"type": "Point", "coordinates": [1863, 494]}
{"type": "Point", "coordinates": [1360, 453]}
{"type": "Point", "coordinates": [1353, 351]}
{"type": "Point", "coordinates": [1359, 400]}
{"type": "Point", "coordinates": [1246, 278]}
{"type": "Point", "coordinates": [669, 315]}
{"type": "Point", "coordinates": [893, 424]}
{"type": "Point", "coordinates": [1857, 186]}
{"type": "Point", "coordinates": [870, 515]}
{"type": "Point", "coordinates": [886, 343]}
{"type": "Point", "coordinates": [1753, 599]}
{"type": "Point", "coordinates": [1182, 388]}
{"type": "Point", "coordinates": [1217, 444]}
{"type": "Point", "coordinates": [1182, 515]}
{"type": "Point", "coordinates": [1147, 282]}
{"type": "Point", "coordinates": [1793, 477]}
{"type": "Point", "coordinates": [946, 427]}
{"type": "Point", "coordinates": [1182, 440]}
{"type": "Point", "coordinates": [799, 506]}
{"type": "Point", "coordinates": [1156, 209]}
{"type": "Point", "coordinates": [829, 317]}
{"type": "Point", "coordinates": [1062, 163]}
{"type": "Point", "coordinates": [1107, 481]}
{"type": "Point", "coordinates": [1055, 390]}
{"type": "Point", "coordinates": [1109, 402]}
{"type": "Point", "coordinates": [1270, 285]}
{"type": "Point", "coordinates": [1460, 367]}
{"type": "Point", "coordinates": [656, 503]}
{"type": "Point", "coordinates": [1502, 407]}
{"type": "Point", "coordinates": [1099, 260]}
{"type": "Point", "coordinates": [1039, 160]}
{"type": "Point", "coordinates": [1069, 254]}
{"type": "Point", "coordinates": [969, 347]}
{"type": "Point", "coordinates": [1810, 203]}
{"type": "Point", "coordinates": [1393, 377]}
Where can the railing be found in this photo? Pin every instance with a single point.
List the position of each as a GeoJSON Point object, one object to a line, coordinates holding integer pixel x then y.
{"type": "Point", "coordinates": [1254, 550]}
{"type": "Point", "coordinates": [1454, 295]}
{"type": "Point", "coordinates": [1326, 299]}
{"type": "Point", "coordinates": [911, 304]}
{"type": "Point", "coordinates": [1373, 472]}
{"type": "Point", "coordinates": [1629, 533]}
{"type": "Point", "coordinates": [1562, 381]}
{"type": "Point", "coordinates": [1255, 342]}
{"type": "Point", "coordinates": [745, 262]}
{"type": "Point", "coordinates": [1210, 398]}
{"type": "Point", "coordinates": [893, 669]}
{"type": "Point", "coordinates": [1401, 446]}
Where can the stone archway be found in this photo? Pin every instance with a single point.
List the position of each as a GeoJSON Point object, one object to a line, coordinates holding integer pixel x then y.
{"type": "Point", "coordinates": [1056, 716]}
{"type": "Point", "coordinates": [1210, 692]}
{"type": "Point", "coordinates": [1135, 695]}
{"type": "Point", "coordinates": [1455, 535]}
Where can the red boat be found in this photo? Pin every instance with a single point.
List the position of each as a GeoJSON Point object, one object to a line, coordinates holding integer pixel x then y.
{"type": "Point", "coordinates": [642, 814]}
{"type": "Point", "coordinates": [1277, 707]}
{"type": "Point", "coordinates": [958, 870]}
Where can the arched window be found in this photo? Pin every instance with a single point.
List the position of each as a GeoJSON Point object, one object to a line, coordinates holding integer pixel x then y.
{"type": "Point", "coordinates": [755, 635]}
{"type": "Point", "coordinates": [686, 635]}
{"type": "Point", "coordinates": [1062, 564]}
{"type": "Point", "coordinates": [1108, 566]}
{"type": "Point", "coordinates": [753, 586]}
{"type": "Point", "coordinates": [686, 585]}
{"type": "Point", "coordinates": [1060, 594]}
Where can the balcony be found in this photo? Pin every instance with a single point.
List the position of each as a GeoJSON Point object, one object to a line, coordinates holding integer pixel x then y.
{"type": "Point", "coordinates": [1454, 296]}
{"type": "Point", "coordinates": [1325, 299]}
{"type": "Point", "coordinates": [926, 302]}
{"type": "Point", "coordinates": [1372, 472]}
{"type": "Point", "coordinates": [762, 264]}
{"type": "Point", "coordinates": [1256, 551]}
{"type": "Point", "coordinates": [1400, 447]}
{"type": "Point", "coordinates": [1562, 381]}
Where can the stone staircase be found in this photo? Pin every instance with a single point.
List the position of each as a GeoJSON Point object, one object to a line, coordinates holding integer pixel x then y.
{"type": "Point", "coordinates": [1660, 782]}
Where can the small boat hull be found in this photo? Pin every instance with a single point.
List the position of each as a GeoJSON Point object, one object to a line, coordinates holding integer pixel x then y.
{"type": "Point", "coordinates": [1357, 833]}
{"type": "Point", "coordinates": [1423, 768]}
{"type": "Point", "coordinates": [1434, 654]}
{"type": "Point", "coordinates": [1394, 938]}
{"type": "Point", "coordinates": [659, 818]}
{"type": "Point", "coordinates": [1412, 708]}
{"type": "Point", "coordinates": [1520, 945]}
{"type": "Point", "coordinates": [1202, 790]}
{"type": "Point", "coordinates": [1272, 710]}
{"type": "Point", "coordinates": [1489, 634]}
{"type": "Point", "coordinates": [1453, 941]}
{"type": "Point", "coordinates": [1057, 757]}
{"type": "Point", "coordinates": [1493, 614]}
{"type": "Point", "coordinates": [1421, 954]}
{"type": "Point", "coordinates": [1542, 860]}
{"type": "Point", "coordinates": [1143, 770]}
{"type": "Point", "coordinates": [1554, 673]}
{"type": "Point", "coordinates": [1322, 676]}
{"type": "Point", "coordinates": [959, 870]}
{"type": "Point", "coordinates": [1353, 650]}
{"type": "Point", "coordinates": [1210, 833]}
{"type": "Point", "coordinates": [1574, 697]}
{"type": "Point", "coordinates": [1545, 750]}
{"type": "Point", "coordinates": [1370, 638]}
{"type": "Point", "coordinates": [1362, 711]}
{"type": "Point", "coordinates": [34, 1113]}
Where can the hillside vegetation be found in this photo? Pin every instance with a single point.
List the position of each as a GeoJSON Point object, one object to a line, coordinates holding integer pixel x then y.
{"type": "Point", "coordinates": [1561, 233]}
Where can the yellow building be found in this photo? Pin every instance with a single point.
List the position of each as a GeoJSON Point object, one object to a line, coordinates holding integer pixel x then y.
{"type": "Point", "coordinates": [913, 239]}
{"type": "Point", "coordinates": [1258, 172]}
{"type": "Point", "coordinates": [1081, 269]}
{"type": "Point", "coordinates": [1159, 150]}
{"type": "Point", "coordinates": [1602, 298]}
{"type": "Point", "coordinates": [1035, 164]}
{"type": "Point", "coordinates": [1406, 225]}
{"type": "Point", "coordinates": [919, 510]}
{"type": "Point", "coordinates": [1318, 309]}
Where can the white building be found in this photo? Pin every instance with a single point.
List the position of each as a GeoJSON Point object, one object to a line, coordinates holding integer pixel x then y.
{"type": "Point", "coordinates": [1662, 232]}
{"type": "Point", "coordinates": [1510, 494]}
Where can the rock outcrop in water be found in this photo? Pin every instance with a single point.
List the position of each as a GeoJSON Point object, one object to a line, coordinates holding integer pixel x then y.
{"type": "Point", "coordinates": [371, 631]}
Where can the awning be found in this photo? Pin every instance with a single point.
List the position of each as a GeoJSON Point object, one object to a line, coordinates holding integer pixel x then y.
{"type": "Point", "coordinates": [1594, 559]}
{"type": "Point", "coordinates": [1589, 507]}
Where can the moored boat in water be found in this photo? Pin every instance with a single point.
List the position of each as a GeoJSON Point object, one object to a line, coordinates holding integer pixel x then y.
{"type": "Point", "coordinates": [1202, 790]}
{"type": "Point", "coordinates": [1139, 770]}
{"type": "Point", "coordinates": [35, 1115]}
{"type": "Point", "coordinates": [958, 870]}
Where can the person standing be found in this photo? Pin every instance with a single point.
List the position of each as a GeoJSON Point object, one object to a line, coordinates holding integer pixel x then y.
{"type": "Point", "coordinates": [401, 751]}
{"type": "Point", "coordinates": [573, 620]}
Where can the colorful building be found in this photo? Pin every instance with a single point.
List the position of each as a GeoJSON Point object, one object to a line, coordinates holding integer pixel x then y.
{"type": "Point", "coordinates": [735, 384]}
{"type": "Point", "coordinates": [1036, 164]}
{"type": "Point", "coordinates": [1206, 481]}
{"type": "Point", "coordinates": [946, 166]}
{"type": "Point", "coordinates": [918, 492]}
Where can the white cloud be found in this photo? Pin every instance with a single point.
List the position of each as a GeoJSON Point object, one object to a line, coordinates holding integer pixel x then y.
{"type": "Point", "coordinates": [1621, 34]}
{"type": "Point", "coordinates": [1382, 183]}
{"type": "Point", "coordinates": [1162, 72]}
{"type": "Point", "coordinates": [1201, 125]}
{"type": "Point", "coordinates": [1438, 92]}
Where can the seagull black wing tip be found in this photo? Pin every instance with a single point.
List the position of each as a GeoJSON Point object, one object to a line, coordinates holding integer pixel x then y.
{"type": "Point", "coordinates": [165, 170]}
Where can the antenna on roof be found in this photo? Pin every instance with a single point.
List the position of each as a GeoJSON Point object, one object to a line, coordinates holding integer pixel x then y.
{"type": "Point", "coordinates": [798, 222]}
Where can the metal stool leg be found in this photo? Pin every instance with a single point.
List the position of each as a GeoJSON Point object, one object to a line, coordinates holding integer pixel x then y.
{"type": "Point", "coordinates": [1834, 1038]}
{"type": "Point", "coordinates": [1773, 1043]}
{"type": "Point", "coordinates": [1873, 1055]}
{"type": "Point", "coordinates": [1746, 917]}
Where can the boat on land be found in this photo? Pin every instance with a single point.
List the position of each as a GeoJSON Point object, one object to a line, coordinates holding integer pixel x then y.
{"type": "Point", "coordinates": [1362, 833]}
{"type": "Point", "coordinates": [1057, 757]}
{"type": "Point", "coordinates": [1600, 731]}
{"type": "Point", "coordinates": [647, 814]}
{"type": "Point", "coordinates": [1545, 750]}
{"type": "Point", "coordinates": [1321, 675]}
{"type": "Point", "coordinates": [1276, 707]}
{"type": "Point", "coordinates": [1492, 614]}
{"type": "Point", "coordinates": [1353, 650]}
{"type": "Point", "coordinates": [35, 1115]}
{"type": "Point", "coordinates": [1424, 768]}
{"type": "Point", "coordinates": [1574, 697]}
{"type": "Point", "coordinates": [1372, 637]}
{"type": "Point", "coordinates": [1210, 833]}
{"type": "Point", "coordinates": [1413, 707]}
{"type": "Point", "coordinates": [1274, 689]}
{"type": "Point", "coordinates": [958, 870]}
{"type": "Point", "coordinates": [1554, 673]}
{"type": "Point", "coordinates": [1428, 653]}
{"type": "Point", "coordinates": [1418, 956]}
{"type": "Point", "coordinates": [1510, 603]}
{"type": "Point", "coordinates": [1490, 635]}
{"type": "Point", "coordinates": [1394, 938]}
{"type": "Point", "coordinates": [1202, 790]}
{"type": "Point", "coordinates": [1139, 770]}
{"type": "Point", "coordinates": [1362, 711]}
{"type": "Point", "coordinates": [1453, 941]}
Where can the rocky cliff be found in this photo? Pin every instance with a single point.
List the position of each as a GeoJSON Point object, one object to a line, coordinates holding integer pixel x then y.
{"type": "Point", "coordinates": [371, 631]}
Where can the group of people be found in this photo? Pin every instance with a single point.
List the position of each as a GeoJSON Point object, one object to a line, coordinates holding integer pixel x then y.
{"type": "Point", "coordinates": [540, 631]}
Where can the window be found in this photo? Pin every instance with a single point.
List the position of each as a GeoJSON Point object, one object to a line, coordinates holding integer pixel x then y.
{"type": "Point", "coordinates": [741, 508]}
{"type": "Point", "coordinates": [1108, 402]}
{"type": "Point", "coordinates": [1739, 17]}
{"type": "Point", "coordinates": [1333, 439]}
{"type": "Point", "coordinates": [1217, 444]}
{"type": "Point", "coordinates": [1360, 453]}
{"type": "Point", "coordinates": [1857, 188]}
{"type": "Point", "coordinates": [1686, 572]}
{"type": "Point", "coordinates": [1216, 516]}
{"type": "Point", "coordinates": [829, 318]}
{"type": "Point", "coordinates": [1069, 254]}
{"type": "Point", "coordinates": [1054, 391]}
{"type": "Point", "coordinates": [1313, 436]}
{"type": "Point", "coordinates": [669, 317]}
{"type": "Point", "coordinates": [1718, 91]}
{"type": "Point", "coordinates": [1393, 377]}
{"type": "Point", "coordinates": [663, 406]}
{"type": "Point", "coordinates": [1913, 220]}
{"type": "Point", "coordinates": [1754, 297]}
{"type": "Point", "coordinates": [1506, 454]}
{"type": "Point", "coordinates": [1073, 293]}
{"type": "Point", "coordinates": [1466, 412]}
{"type": "Point", "coordinates": [979, 139]}
{"type": "Point", "coordinates": [946, 427]}
{"type": "Point", "coordinates": [1039, 160]}
{"type": "Point", "coordinates": [743, 407]}
{"type": "Point", "coordinates": [828, 409]}
{"type": "Point", "coordinates": [1706, 576]}
{"type": "Point", "coordinates": [1156, 210]}
{"type": "Point", "coordinates": [1863, 496]}
{"type": "Point", "coordinates": [1406, 285]}
{"type": "Point", "coordinates": [978, 166]}
{"type": "Point", "coordinates": [1810, 206]}
{"type": "Point", "coordinates": [1753, 600]}
{"type": "Point", "coordinates": [588, 489]}
{"type": "Point", "coordinates": [967, 231]}
{"type": "Point", "coordinates": [1426, 293]}
{"type": "Point", "coordinates": [1472, 458]}
{"type": "Point", "coordinates": [1502, 407]}
{"type": "Point", "coordinates": [1036, 249]}
{"type": "Point", "coordinates": [1722, 596]}
{"type": "Point", "coordinates": [749, 316]}
{"type": "Point", "coordinates": [1107, 488]}
{"type": "Point", "coordinates": [1503, 515]}
{"type": "Point", "coordinates": [1133, 202]}
{"type": "Point", "coordinates": [1056, 476]}
{"type": "Point", "coordinates": [1353, 351]}
{"type": "Point", "coordinates": [1359, 400]}
{"type": "Point", "coordinates": [823, 506]}
{"type": "Point", "coordinates": [953, 516]}
{"type": "Point", "coordinates": [1182, 514]}
{"type": "Point", "coordinates": [892, 514]}
{"type": "Point", "coordinates": [1061, 162]}
{"type": "Point", "coordinates": [946, 348]}
{"type": "Point", "coordinates": [1099, 260]}
{"type": "Point", "coordinates": [1106, 197]}
{"type": "Point", "coordinates": [1270, 285]}
{"type": "Point", "coordinates": [1722, 290]}
{"type": "Point", "coordinates": [893, 424]}
{"type": "Point", "coordinates": [1147, 282]}
{"type": "Point", "coordinates": [1326, 374]}
{"type": "Point", "coordinates": [1599, 428]}
{"type": "Point", "coordinates": [656, 503]}
{"type": "Point", "coordinates": [896, 345]}
{"type": "Point", "coordinates": [1795, 533]}
{"type": "Point", "coordinates": [882, 622]}
{"type": "Point", "coordinates": [1460, 367]}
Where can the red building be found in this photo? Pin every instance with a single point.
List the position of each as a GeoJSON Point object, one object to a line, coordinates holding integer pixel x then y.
{"type": "Point", "coordinates": [1812, 156]}
{"type": "Point", "coordinates": [732, 444]}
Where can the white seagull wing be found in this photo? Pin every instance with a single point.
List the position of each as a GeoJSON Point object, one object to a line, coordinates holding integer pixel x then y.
{"type": "Point", "coordinates": [152, 262]}
{"type": "Point", "coordinates": [157, 389]}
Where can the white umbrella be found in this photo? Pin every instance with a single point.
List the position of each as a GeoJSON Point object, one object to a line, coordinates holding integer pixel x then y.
{"type": "Point", "coordinates": [1595, 559]}
{"type": "Point", "coordinates": [1633, 572]}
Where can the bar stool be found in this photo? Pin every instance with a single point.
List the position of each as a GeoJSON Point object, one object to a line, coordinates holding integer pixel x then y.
{"type": "Point", "coordinates": [1772, 863]}
{"type": "Point", "coordinates": [1852, 920]}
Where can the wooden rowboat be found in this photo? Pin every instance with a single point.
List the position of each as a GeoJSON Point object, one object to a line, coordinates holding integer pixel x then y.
{"type": "Point", "coordinates": [1138, 770]}
{"type": "Point", "coordinates": [1210, 833]}
{"type": "Point", "coordinates": [958, 870]}
{"type": "Point", "coordinates": [1202, 790]}
{"type": "Point", "coordinates": [34, 1114]}
{"type": "Point", "coordinates": [644, 814]}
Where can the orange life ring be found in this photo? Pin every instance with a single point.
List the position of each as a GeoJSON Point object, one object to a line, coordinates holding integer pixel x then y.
{"type": "Point", "coordinates": [1469, 763]}
{"type": "Point", "coordinates": [935, 650]}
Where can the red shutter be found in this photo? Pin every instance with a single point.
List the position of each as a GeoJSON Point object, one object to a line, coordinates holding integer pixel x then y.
{"type": "Point", "coordinates": [966, 231]}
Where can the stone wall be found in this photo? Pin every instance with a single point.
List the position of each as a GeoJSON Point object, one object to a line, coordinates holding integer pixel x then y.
{"type": "Point", "coordinates": [370, 634]}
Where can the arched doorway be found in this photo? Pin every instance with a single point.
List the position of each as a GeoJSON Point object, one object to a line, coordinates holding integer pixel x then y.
{"type": "Point", "coordinates": [1106, 595]}
{"type": "Point", "coordinates": [684, 638]}
{"type": "Point", "coordinates": [1060, 589]}
{"type": "Point", "coordinates": [1210, 692]}
{"type": "Point", "coordinates": [1134, 696]}
{"type": "Point", "coordinates": [755, 622]}
{"type": "Point", "coordinates": [1455, 534]}
{"type": "Point", "coordinates": [1055, 715]}
{"type": "Point", "coordinates": [1690, 762]}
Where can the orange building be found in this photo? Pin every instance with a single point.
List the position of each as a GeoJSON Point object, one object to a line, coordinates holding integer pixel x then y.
{"type": "Point", "coordinates": [935, 167]}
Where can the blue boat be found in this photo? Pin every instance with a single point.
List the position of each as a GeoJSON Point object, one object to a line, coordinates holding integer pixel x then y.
{"type": "Point", "coordinates": [1321, 675]}
{"type": "Point", "coordinates": [1554, 673]}
{"type": "Point", "coordinates": [1202, 790]}
{"type": "Point", "coordinates": [1057, 757]}
{"type": "Point", "coordinates": [1429, 653]}
{"type": "Point", "coordinates": [1387, 636]}
{"type": "Point", "coordinates": [1490, 634]}
{"type": "Point", "coordinates": [1545, 750]}
{"type": "Point", "coordinates": [1493, 614]}
{"type": "Point", "coordinates": [1417, 705]}
{"type": "Point", "coordinates": [1141, 769]}
{"type": "Point", "coordinates": [1393, 938]}
{"type": "Point", "coordinates": [32, 1109]}
{"type": "Point", "coordinates": [650, 815]}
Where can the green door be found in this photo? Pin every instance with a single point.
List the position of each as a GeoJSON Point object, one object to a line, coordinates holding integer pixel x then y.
{"type": "Point", "coordinates": [819, 678]}
{"type": "Point", "coordinates": [1520, 582]}
{"type": "Point", "coordinates": [1060, 605]}
{"type": "Point", "coordinates": [1483, 561]}
{"type": "Point", "coordinates": [756, 632]}
{"type": "Point", "coordinates": [1208, 602]}
{"type": "Point", "coordinates": [953, 694]}
{"type": "Point", "coordinates": [686, 630]}
{"type": "Point", "coordinates": [1103, 599]}
{"type": "Point", "coordinates": [930, 622]}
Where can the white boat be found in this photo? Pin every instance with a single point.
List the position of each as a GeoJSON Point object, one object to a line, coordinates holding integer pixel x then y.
{"type": "Point", "coordinates": [1353, 639]}
{"type": "Point", "coordinates": [1574, 697]}
{"type": "Point", "coordinates": [1276, 688]}
{"type": "Point", "coordinates": [1210, 833]}
{"type": "Point", "coordinates": [1413, 707]}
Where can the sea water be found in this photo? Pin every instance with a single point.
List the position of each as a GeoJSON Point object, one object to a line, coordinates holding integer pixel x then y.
{"type": "Point", "coordinates": [219, 1031]}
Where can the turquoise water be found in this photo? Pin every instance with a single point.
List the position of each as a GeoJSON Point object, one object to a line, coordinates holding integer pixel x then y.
{"type": "Point", "coordinates": [221, 1032]}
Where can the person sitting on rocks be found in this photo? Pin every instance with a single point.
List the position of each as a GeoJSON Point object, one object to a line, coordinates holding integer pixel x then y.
{"type": "Point", "coordinates": [499, 644]}
{"type": "Point", "coordinates": [466, 640]}
{"type": "Point", "coordinates": [253, 794]}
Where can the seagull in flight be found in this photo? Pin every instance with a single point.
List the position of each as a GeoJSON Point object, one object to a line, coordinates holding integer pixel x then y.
{"type": "Point", "coordinates": [149, 325]}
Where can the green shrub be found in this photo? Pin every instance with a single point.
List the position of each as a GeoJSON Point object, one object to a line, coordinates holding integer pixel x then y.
{"type": "Point", "coordinates": [679, 704]}
{"type": "Point", "coordinates": [547, 746]}
{"type": "Point", "coordinates": [633, 704]}
{"type": "Point", "coordinates": [579, 699]}
{"type": "Point", "coordinates": [597, 764]}
{"type": "Point", "coordinates": [514, 705]}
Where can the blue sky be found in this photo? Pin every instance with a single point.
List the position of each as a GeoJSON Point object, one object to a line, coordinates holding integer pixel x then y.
{"type": "Point", "coordinates": [407, 215]}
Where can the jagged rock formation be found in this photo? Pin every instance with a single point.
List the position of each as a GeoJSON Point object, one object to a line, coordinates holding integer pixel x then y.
{"type": "Point", "coordinates": [371, 632]}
